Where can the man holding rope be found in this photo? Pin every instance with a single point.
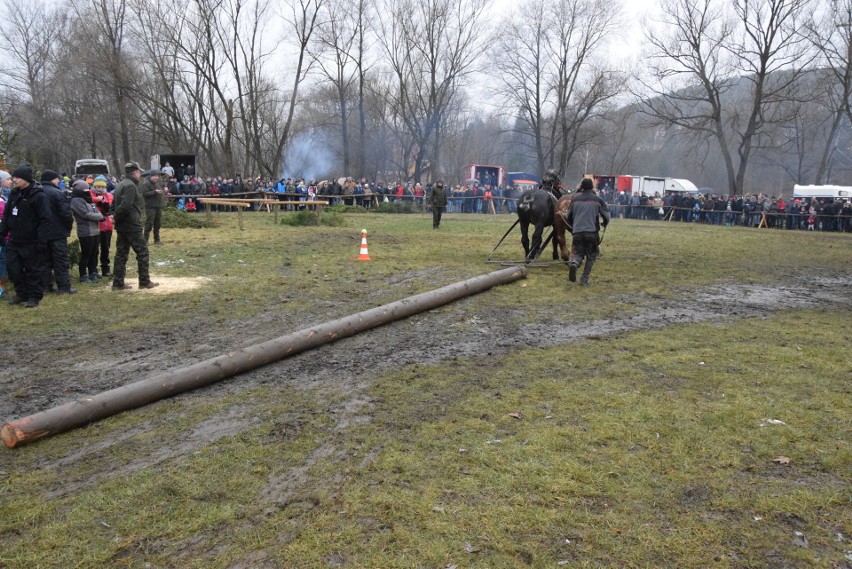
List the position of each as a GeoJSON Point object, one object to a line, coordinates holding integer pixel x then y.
{"type": "Point", "coordinates": [584, 217]}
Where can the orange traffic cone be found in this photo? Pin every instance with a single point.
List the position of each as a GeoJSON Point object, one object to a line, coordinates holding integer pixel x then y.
{"type": "Point", "coordinates": [364, 255]}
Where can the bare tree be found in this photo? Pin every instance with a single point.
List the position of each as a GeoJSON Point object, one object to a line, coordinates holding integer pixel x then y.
{"type": "Point", "coordinates": [832, 36]}
{"type": "Point", "coordinates": [522, 57]}
{"type": "Point", "coordinates": [303, 19]}
{"type": "Point", "coordinates": [431, 48]}
{"type": "Point", "coordinates": [28, 75]}
{"type": "Point", "coordinates": [335, 58]}
{"type": "Point", "coordinates": [109, 19]}
{"type": "Point", "coordinates": [723, 70]}
{"type": "Point", "coordinates": [546, 53]}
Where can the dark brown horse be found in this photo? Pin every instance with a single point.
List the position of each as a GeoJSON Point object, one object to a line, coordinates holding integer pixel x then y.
{"type": "Point", "coordinates": [540, 209]}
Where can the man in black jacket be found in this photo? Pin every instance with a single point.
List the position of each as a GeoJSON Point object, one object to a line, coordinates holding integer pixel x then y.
{"type": "Point", "coordinates": [61, 222]}
{"type": "Point", "coordinates": [583, 217]}
{"type": "Point", "coordinates": [26, 222]}
{"type": "Point", "coordinates": [438, 203]}
{"type": "Point", "coordinates": [127, 213]}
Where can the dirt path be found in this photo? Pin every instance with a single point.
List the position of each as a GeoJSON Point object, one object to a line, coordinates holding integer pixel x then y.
{"type": "Point", "coordinates": [37, 383]}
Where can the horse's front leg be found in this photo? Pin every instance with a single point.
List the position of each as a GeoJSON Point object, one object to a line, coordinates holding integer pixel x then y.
{"type": "Point", "coordinates": [525, 239]}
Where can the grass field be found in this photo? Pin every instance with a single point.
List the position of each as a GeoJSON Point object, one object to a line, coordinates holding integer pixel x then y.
{"type": "Point", "coordinates": [716, 443]}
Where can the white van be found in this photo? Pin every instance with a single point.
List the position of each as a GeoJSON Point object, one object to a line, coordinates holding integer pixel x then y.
{"type": "Point", "coordinates": [91, 167]}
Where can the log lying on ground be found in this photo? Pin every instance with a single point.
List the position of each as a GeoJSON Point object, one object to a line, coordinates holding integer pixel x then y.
{"type": "Point", "coordinates": [88, 409]}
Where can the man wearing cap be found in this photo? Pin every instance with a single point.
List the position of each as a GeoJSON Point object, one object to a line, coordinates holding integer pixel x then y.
{"type": "Point", "coordinates": [154, 198]}
{"type": "Point", "coordinates": [58, 263]}
{"type": "Point", "coordinates": [584, 217]}
{"type": "Point", "coordinates": [24, 228]}
{"type": "Point", "coordinates": [438, 203]}
{"type": "Point", "coordinates": [127, 216]}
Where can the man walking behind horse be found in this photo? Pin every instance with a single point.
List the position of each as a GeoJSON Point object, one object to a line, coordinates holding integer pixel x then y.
{"type": "Point", "coordinates": [584, 216]}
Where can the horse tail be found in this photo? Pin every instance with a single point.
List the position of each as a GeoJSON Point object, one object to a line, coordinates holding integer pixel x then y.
{"type": "Point", "coordinates": [525, 202]}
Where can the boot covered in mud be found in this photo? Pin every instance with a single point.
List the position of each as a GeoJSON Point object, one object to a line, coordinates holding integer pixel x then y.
{"type": "Point", "coordinates": [587, 270]}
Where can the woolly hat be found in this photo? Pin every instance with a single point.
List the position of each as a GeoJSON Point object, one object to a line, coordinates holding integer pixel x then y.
{"type": "Point", "coordinates": [24, 172]}
{"type": "Point", "coordinates": [49, 176]}
{"type": "Point", "coordinates": [100, 182]}
{"type": "Point", "coordinates": [4, 175]}
{"type": "Point", "coordinates": [587, 184]}
{"type": "Point", "coordinates": [80, 186]}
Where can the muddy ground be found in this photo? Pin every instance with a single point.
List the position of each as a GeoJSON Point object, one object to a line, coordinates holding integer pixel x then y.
{"type": "Point", "coordinates": [40, 380]}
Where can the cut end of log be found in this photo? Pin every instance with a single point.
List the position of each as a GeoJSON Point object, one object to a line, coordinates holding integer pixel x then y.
{"type": "Point", "coordinates": [10, 437]}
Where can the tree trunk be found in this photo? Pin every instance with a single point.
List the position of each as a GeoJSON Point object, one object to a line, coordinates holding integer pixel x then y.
{"type": "Point", "coordinates": [133, 395]}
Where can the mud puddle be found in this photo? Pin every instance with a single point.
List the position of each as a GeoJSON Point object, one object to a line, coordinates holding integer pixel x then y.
{"type": "Point", "coordinates": [34, 384]}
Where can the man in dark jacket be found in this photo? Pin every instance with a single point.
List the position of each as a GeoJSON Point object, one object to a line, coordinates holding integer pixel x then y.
{"type": "Point", "coordinates": [127, 214]}
{"type": "Point", "coordinates": [154, 198]}
{"type": "Point", "coordinates": [438, 203]}
{"type": "Point", "coordinates": [584, 217]}
{"type": "Point", "coordinates": [58, 231]}
{"type": "Point", "coordinates": [26, 223]}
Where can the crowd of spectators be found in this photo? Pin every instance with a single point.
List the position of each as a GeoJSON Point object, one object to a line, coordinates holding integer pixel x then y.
{"type": "Point", "coordinates": [817, 214]}
{"type": "Point", "coordinates": [345, 190]}
{"type": "Point", "coordinates": [777, 212]}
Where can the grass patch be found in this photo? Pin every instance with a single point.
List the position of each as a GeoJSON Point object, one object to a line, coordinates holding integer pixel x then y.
{"type": "Point", "coordinates": [402, 206]}
{"type": "Point", "coordinates": [626, 449]}
{"type": "Point", "coordinates": [640, 455]}
{"type": "Point", "coordinates": [297, 268]}
{"type": "Point", "coordinates": [648, 449]}
{"type": "Point", "coordinates": [173, 218]}
{"type": "Point", "coordinates": [307, 218]}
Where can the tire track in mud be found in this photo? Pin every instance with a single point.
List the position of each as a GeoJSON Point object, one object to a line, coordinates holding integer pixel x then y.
{"type": "Point", "coordinates": [347, 366]}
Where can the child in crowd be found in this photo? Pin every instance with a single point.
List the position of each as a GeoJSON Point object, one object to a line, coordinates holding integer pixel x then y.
{"type": "Point", "coordinates": [103, 200]}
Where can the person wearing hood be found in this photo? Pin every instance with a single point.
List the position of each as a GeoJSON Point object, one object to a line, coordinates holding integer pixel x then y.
{"type": "Point", "coordinates": [584, 217]}
{"type": "Point", "coordinates": [24, 228]}
{"type": "Point", "coordinates": [57, 235]}
{"type": "Point", "coordinates": [87, 217]}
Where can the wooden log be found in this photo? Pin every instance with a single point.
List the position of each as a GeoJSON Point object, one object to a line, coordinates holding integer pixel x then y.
{"type": "Point", "coordinates": [222, 201]}
{"type": "Point", "coordinates": [87, 409]}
